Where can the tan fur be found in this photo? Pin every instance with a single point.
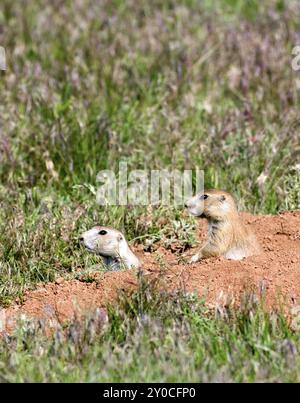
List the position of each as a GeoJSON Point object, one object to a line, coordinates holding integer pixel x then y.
{"type": "Point", "coordinates": [111, 245]}
{"type": "Point", "coordinates": [227, 234]}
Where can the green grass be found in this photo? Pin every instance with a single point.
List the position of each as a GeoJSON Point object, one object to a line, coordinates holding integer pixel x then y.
{"type": "Point", "coordinates": [178, 84]}
{"type": "Point", "coordinates": [157, 337]}
{"type": "Point", "coordinates": [171, 84]}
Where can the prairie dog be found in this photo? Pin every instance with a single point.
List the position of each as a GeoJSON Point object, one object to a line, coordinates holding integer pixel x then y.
{"type": "Point", "coordinates": [227, 234]}
{"type": "Point", "coordinates": [111, 245]}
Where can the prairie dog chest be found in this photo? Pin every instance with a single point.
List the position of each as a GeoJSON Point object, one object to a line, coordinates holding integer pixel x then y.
{"type": "Point", "coordinates": [213, 228]}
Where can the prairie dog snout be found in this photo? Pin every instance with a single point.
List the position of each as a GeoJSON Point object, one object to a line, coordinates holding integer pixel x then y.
{"type": "Point", "coordinates": [227, 234]}
{"type": "Point", "coordinates": [111, 245]}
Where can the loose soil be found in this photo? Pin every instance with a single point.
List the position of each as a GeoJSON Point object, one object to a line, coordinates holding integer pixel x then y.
{"type": "Point", "coordinates": [275, 273]}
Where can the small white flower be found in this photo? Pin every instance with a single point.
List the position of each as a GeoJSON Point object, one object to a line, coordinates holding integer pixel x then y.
{"type": "Point", "coordinates": [297, 167]}
{"type": "Point", "coordinates": [261, 179]}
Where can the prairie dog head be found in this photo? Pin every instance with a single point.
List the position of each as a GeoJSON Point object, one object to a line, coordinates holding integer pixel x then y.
{"type": "Point", "coordinates": [212, 204]}
{"type": "Point", "coordinates": [104, 241]}
{"type": "Point", "coordinates": [111, 245]}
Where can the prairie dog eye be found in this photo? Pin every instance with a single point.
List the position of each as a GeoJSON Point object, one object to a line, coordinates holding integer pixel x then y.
{"type": "Point", "coordinates": [102, 232]}
{"type": "Point", "coordinates": [203, 197]}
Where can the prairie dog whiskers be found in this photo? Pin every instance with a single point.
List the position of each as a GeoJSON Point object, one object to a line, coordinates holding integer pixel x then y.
{"type": "Point", "coordinates": [227, 234]}
{"type": "Point", "coordinates": [111, 245]}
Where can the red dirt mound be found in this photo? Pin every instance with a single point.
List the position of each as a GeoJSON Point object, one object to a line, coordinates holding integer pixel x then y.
{"type": "Point", "coordinates": [276, 271]}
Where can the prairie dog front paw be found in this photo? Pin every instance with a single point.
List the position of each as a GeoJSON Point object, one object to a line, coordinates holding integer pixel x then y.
{"type": "Point", "coordinates": [195, 258]}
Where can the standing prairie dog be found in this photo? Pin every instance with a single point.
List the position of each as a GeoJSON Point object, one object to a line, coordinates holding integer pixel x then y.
{"type": "Point", "coordinates": [227, 234]}
{"type": "Point", "coordinates": [111, 245]}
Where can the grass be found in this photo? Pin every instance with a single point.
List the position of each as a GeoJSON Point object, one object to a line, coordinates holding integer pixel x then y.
{"type": "Point", "coordinates": [157, 337]}
{"type": "Point", "coordinates": [171, 84]}
{"type": "Point", "coordinates": [177, 85]}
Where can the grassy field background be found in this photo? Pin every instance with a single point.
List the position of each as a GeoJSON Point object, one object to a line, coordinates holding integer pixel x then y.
{"type": "Point", "coordinates": [160, 84]}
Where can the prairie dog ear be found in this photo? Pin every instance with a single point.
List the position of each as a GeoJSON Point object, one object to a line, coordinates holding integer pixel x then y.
{"type": "Point", "coordinates": [222, 198]}
{"type": "Point", "coordinates": [120, 238]}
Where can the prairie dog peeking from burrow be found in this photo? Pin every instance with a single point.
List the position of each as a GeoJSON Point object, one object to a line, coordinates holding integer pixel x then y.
{"type": "Point", "coordinates": [111, 245]}
{"type": "Point", "coordinates": [227, 234]}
